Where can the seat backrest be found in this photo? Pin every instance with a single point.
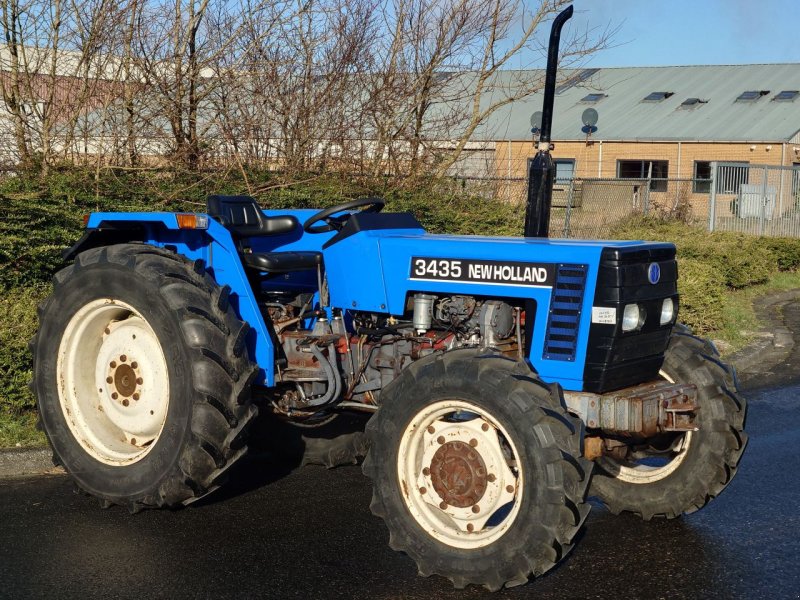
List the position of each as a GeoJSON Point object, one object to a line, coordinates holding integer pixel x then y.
{"type": "Point", "coordinates": [242, 216]}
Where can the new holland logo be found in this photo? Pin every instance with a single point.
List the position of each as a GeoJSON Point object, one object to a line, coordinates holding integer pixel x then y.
{"type": "Point", "coordinates": [517, 273]}
{"type": "Point", "coordinates": [654, 273]}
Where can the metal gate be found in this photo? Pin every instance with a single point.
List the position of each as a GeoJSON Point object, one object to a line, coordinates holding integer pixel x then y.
{"type": "Point", "coordinates": [755, 199]}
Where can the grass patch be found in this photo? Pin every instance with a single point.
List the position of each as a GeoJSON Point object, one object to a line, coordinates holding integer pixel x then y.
{"type": "Point", "coordinates": [19, 431]}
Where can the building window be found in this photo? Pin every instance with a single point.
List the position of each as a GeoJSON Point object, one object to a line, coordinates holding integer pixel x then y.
{"type": "Point", "coordinates": [565, 169]}
{"type": "Point", "coordinates": [658, 170]}
{"type": "Point", "coordinates": [701, 183]}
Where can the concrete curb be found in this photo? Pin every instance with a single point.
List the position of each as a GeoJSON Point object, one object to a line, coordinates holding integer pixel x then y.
{"type": "Point", "coordinates": [19, 462]}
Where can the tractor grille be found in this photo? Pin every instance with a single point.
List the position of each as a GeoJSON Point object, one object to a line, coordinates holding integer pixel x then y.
{"type": "Point", "coordinates": [616, 359]}
{"type": "Point", "coordinates": [561, 338]}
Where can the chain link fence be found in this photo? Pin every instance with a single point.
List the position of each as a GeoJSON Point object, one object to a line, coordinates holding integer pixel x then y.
{"type": "Point", "coordinates": [755, 199]}
{"type": "Point", "coordinates": [591, 208]}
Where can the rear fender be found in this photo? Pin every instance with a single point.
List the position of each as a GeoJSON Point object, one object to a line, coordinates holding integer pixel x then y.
{"type": "Point", "coordinates": [213, 245]}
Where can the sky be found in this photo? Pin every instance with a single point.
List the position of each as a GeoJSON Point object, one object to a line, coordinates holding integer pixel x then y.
{"type": "Point", "coordinates": [692, 32]}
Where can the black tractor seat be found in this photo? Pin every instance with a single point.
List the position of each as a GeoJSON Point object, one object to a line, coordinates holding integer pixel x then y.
{"type": "Point", "coordinates": [242, 216]}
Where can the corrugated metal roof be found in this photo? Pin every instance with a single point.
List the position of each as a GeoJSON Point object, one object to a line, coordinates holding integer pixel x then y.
{"type": "Point", "coordinates": [624, 115]}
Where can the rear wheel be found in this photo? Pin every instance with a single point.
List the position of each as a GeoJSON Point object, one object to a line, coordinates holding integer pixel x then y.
{"type": "Point", "coordinates": [142, 376]}
{"type": "Point", "coordinates": [477, 469]}
{"type": "Point", "coordinates": [677, 473]}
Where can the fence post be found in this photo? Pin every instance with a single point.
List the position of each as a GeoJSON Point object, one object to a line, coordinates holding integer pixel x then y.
{"type": "Point", "coordinates": [763, 200]}
{"type": "Point", "coordinates": [570, 194]}
{"type": "Point", "coordinates": [712, 202]}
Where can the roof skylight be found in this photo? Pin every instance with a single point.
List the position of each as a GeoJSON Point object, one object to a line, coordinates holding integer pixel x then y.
{"type": "Point", "coordinates": [693, 103]}
{"type": "Point", "coordinates": [751, 95]}
{"type": "Point", "coordinates": [786, 95]}
{"type": "Point", "coordinates": [575, 79]}
{"type": "Point", "coordinates": [593, 97]}
{"type": "Point", "coordinates": [657, 96]}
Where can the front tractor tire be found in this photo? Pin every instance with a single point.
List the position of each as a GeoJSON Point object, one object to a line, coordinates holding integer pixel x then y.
{"type": "Point", "coordinates": [477, 469]}
{"type": "Point", "coordinates": [142, 376]}
{"type": "Point", "coordinates": [680, 473]}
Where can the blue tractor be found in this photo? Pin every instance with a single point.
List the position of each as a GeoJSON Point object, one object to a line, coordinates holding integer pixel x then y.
{"type": "Point", "coordinates": [500, 372]}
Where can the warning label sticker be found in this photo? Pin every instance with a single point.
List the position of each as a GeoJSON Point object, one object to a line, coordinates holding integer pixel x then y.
{"type": "Point", "coordinates": [604, 315]}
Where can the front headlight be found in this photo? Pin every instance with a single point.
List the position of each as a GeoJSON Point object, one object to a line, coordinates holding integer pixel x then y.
{"type": "Point", "coordinates": [632, 317]}
{"type": "Point", "coordinates": [667, 311]}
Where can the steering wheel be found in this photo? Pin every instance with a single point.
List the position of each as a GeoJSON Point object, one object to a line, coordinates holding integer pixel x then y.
{"type": "Point", "coordinates": [370, 205]}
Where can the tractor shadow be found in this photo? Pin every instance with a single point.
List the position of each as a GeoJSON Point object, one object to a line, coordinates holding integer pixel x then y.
{"type": "Point", "coordinates": [277, 448]}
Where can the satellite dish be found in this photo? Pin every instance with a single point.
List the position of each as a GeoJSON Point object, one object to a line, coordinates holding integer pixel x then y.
{"type": "Point", "coordinates": [589, 117]}
{"type": "Point", "coordinates": [536, 121]}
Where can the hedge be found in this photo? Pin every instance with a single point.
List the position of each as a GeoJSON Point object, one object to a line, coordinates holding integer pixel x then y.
{"type": "Point", "coordinates": [40, 218]}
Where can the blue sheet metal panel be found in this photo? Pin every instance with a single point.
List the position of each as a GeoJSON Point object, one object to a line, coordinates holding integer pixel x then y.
{"type": "Point", "coordinates": [561, 339]}
{"type": "Point", "coordinates": [398, 249]}
{"type": "Point", "coordinates": [356, 274]}
{"type": "Point", "coordinates": [215, 246]}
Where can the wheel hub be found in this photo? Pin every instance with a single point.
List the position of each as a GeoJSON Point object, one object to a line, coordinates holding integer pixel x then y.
{"type": "Point", "coordinates": [458, 474]}
{"type": "Point", "coordinates": [125, 380]}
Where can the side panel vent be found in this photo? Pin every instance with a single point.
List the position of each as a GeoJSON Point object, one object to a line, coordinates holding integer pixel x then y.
{"type": "Point", "coordinates": [561, 338]}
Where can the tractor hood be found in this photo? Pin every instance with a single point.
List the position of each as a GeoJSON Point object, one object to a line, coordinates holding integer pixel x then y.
{"type": "Point", "coordinates": [381, 270]}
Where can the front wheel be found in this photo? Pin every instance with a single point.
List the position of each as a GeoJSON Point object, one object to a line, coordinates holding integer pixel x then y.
{"type": "Point", "coordinates": [142, 376]}
{"type": "Point", "coordinates": [676, 473]}
{"type": "Point", "coordinates": [477, 469]}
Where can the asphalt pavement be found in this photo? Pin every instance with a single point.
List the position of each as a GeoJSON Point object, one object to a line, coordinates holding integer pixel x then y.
{"type": "Point", "coordinates": [308, 533]}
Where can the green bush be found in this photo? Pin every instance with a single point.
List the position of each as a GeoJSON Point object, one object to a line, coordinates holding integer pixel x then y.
{"type": "Point", "coordinates": [785, 251]}
{"type": "Point", "coordinates": [701, 295]}
{"type": "Point", "coordinates": [17, 326]}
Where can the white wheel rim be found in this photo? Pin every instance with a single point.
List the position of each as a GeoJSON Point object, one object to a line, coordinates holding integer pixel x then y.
{"type": "Point", "coordinates": [113, 383]}
{"type": "Point", "coordinates": [641, 473]}
{"type": "Point", "coordinates": [473, 464]}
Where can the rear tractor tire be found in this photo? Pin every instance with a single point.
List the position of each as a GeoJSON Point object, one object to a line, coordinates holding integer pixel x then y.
{"type": "Point", "coordinates": [477, 469]}
{"type": "Point", "coordinates": [142, 376]}
{"type": "Point", "coordinates": [681, 472]}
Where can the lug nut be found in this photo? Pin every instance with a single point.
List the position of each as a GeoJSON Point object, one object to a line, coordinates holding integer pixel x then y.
{"type": "Point", "coordinates": [476, 509]}
{"type": "Point", "coordinates": [114, 395]}
{"type": "Point", "coordinates": [113, 364]}
{"type": "Point", "coordinates": [133, 441]}
{"type": "Point", "coordinates": [510, 489]}
{"type": "Point", "coordinates": [431, 429]}
{"type": "Point", "coordinates": [109, 380]}
{"type": "Point", "coordinates": [440, 439]}
{"type": "Point", "coordinates": [136, 396]}
{"type": "Point", "coordinates": [443, 505]}
{"type": "Point", "coordinates": [135, 365]}
{"type": "Point", "coordinates": [426, 471]}
{"type": "Point", "coordinates": [123, 358]}
{"type": "Point", "coordinates": [473, 442]}
{"type": "Point", "coordinates": [125, 402]}
{"type": "Point", "coordinates": [423, 491]}
{"type": "Point", "coordinates": [470, 527]}
{"type": "Point", "coordinates": [485, 427]}
{"type": "Point", "coordinates": [139, 380]}
{"type": "Point", "coordinates": [107, 331]}
{"type": "Point", "coordinates": [490, 477]}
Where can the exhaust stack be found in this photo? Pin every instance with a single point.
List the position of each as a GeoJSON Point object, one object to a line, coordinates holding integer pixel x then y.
{"type": "Point", "coordinates": [542, 171]}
